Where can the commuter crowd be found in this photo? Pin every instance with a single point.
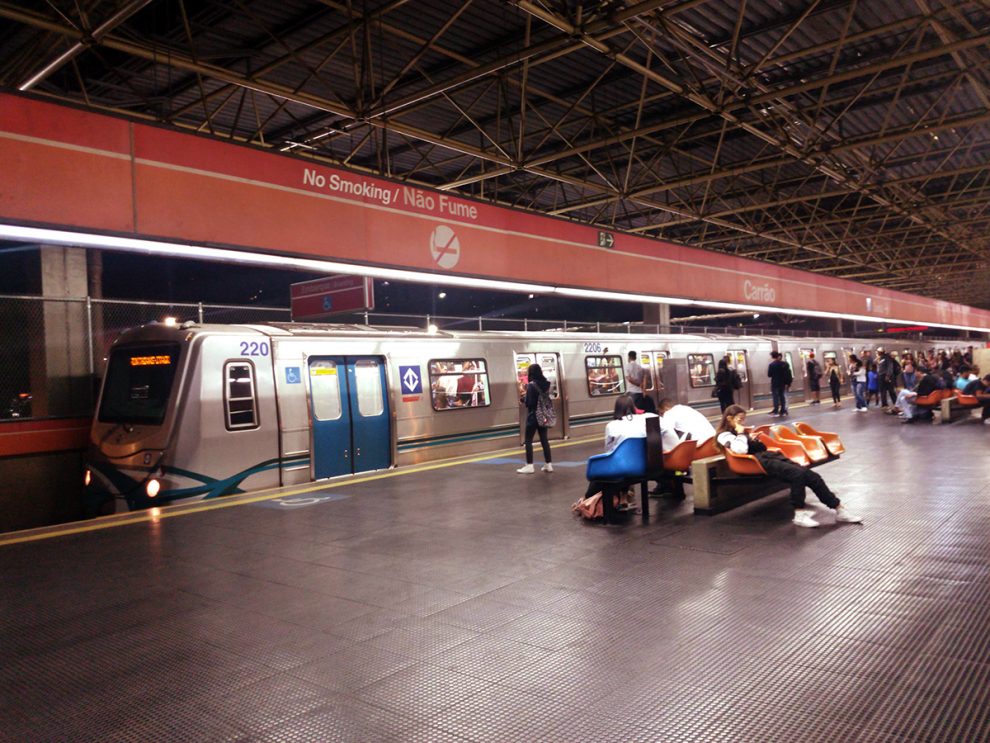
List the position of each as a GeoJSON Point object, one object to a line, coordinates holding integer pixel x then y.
{"type": "Point", "coordinates": [895, 385]}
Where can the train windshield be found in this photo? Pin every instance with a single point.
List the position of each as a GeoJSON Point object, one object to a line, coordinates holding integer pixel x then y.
{"type": "Point", "coordinates": [138, 383]}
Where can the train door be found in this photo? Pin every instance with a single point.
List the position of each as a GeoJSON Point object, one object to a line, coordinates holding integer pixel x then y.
{"type": "Point", "coordinates": [553, 371]}
{"type": "Point", "coordinates": [740, 361]}
{"type": "Point", "coordinates": [652, 362]}
{"type": "Point", "coordinates": [350, 417]}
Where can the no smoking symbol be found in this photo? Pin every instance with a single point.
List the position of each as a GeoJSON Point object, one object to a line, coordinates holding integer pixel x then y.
{"type": "Point", "coordinates": [445, 247]}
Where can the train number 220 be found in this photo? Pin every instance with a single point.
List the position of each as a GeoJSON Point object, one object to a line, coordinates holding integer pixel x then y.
{"type": "Point", "coordinates": [254, 348]}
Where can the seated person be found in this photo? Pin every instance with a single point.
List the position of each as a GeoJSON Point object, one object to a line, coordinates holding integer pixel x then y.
{"type": "Point", "coordinates": [626, 423]}
{"type": "Point", "coordinates": [966, 375]}
{"type": "Point", "coordinates": [685, 422]}
{"type": "Point", "coordinates": [905, 398]}
{"type": "Point", "coordinates": [732, 435]}
{"type": "Point", "coordinates": [980, 389]}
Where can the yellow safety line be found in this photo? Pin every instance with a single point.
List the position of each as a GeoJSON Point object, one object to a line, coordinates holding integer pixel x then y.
{"type": "Point", "coordinates": [165, 512]}
{"type": "Point", "coordinates": [154, 515]}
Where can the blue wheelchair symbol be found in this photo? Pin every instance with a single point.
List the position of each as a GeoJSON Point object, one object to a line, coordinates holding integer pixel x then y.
{"type": "Point", "coordinates": [327, 303]}
{"type": "Point", "coordinates": [292, 375]}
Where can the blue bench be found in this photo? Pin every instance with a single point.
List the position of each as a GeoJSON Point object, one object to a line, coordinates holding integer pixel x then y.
{"type": "Point", "coordinates": [632, 461]}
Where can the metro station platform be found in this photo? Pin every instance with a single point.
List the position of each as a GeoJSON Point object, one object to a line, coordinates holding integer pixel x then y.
{"type": "Point", "coordinates": [465, 602]}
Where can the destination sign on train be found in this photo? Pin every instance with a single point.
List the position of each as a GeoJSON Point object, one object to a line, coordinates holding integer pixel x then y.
{"type": "Point", "coordinates": [151, 360]}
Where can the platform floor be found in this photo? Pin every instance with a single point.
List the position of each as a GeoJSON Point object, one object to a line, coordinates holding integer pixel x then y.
{"type": "Point", "coordinates": [468, 603]}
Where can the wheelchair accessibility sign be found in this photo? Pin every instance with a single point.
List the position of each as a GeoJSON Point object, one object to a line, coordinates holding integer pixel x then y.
{"type": "Point", "coordinates": [292, 375]}
{"type": "Point", "coordinates": [412, 383]}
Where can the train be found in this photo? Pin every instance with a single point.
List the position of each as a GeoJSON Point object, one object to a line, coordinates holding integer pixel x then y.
{"type": "Point", "coordinates": [190, 411]}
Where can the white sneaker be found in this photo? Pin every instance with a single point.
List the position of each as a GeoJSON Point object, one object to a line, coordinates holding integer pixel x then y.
{"type": "Point", "coordinates": [845, 516]}
{"type": "Point", "coordinates": [806, 518]}
{"type": "Point", "coordinates": [986, 421]}
{"type": "Point", "coordinates": [548, 467]}
{"type": "Point", "coordinates": [526, 469]}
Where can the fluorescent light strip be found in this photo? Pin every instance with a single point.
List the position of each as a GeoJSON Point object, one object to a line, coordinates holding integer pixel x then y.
{"type": "Point", "coordinates": [130, 244]}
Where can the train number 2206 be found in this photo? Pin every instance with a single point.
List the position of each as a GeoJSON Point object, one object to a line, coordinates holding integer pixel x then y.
{"type": "Point", "coordinates": [254, 348]}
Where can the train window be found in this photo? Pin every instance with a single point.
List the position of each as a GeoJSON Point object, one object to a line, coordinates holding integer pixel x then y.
{"type": "Point", "coordinates": [368, 380]}
{"type": "Point", "coordinates": [138, 384]}
{"type": "Point", "coordinates": [701, 368]}
{"type": "Point", "coordinates": [646, 360]}
{"type": "Point", "coordinates": [459, 383]}
{"type": "Point", "coordinates": [805, 355]}
{"type": "Point", "coordinates": [547, 362]}
{"type": "Point", "coordinates": [604, 375]}
{"type": "Point", "coordinates": [324, 384]}
{"type": "Point", "coordinates": [240, 402]}
{"type": "Point", "coordinates": [737, 360]}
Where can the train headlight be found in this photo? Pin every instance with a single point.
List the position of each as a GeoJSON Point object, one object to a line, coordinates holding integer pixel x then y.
{"type": "Point", "coordinates": [88, 477]}
{"type": "Point", "coordinates": [152, 488]}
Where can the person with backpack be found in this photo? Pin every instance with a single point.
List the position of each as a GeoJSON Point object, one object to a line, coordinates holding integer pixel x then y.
{"type": "Point", "coordinates": [887, 371]}
{"type": "Point", "coordinates": [814, 372]}
{"type": "Point", "coordinates": [781, 379]}
{"type": "Point", "coordinates": [726, 383]}
{"type": "Point", "coordinates": [539, 418]}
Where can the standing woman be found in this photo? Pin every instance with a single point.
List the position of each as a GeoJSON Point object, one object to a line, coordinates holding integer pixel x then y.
{"type": "Point", "coordinates": [834, 376]}
{"type": "Point", "coordinates": [857, 375]}
{"type": "Point", "coordinates": [723, 385]}
{"type": "Point", "coordinates": [537, 385]}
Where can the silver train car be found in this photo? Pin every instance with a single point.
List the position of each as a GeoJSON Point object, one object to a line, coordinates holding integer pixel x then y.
{"type": "Point", "coordinates": [201, 411]}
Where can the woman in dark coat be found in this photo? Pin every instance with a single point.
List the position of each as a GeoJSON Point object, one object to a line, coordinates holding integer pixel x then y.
{"type": "Point", "coordinates": [724, 387]}
{"type": "Point", "coordinates": [537, 385]}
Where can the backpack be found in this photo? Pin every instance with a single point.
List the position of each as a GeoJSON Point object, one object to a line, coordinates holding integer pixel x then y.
{"type": "Point", "coordinates": [736, 380]}
{"type": "Point", "coordinates": [545, 415]}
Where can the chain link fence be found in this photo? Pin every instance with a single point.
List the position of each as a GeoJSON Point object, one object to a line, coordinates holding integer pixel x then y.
{"type": "Point", "coordinates": [54, 350]}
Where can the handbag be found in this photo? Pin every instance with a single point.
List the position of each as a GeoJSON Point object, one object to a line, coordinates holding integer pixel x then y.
{"type": "Point", "coordinates": [589, 508]}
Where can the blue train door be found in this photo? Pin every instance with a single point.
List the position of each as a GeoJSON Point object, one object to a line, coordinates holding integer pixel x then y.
{"type": "Point", "coordinates": [350, 416]}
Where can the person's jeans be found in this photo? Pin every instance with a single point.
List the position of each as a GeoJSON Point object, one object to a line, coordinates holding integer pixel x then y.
{"type": "Point", "coordinates": [859, 391]}
{"type": "Point", "coordinates": [779, 395]}
{"type": "Point", "coordinates": [905, 401]}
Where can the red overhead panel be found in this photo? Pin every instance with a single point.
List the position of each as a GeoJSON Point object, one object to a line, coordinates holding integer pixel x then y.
{"type": "Point", "coordinates": [78, 170]}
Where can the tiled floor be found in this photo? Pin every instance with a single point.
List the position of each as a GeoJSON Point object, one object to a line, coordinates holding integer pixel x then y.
{"type": "Point", "coordinates": [469, 604]}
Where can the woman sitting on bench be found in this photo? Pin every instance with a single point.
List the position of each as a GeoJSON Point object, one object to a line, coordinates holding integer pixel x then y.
{"type": "Point", "coordinates": [731, 434]}
{"type": "Point", "coordinates": [626, 423]}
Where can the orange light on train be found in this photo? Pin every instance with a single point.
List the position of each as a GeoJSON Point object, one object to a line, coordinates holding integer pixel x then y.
{"type": "Point", "coordinates": [87, 478]}
{"type": "Point", "coordinates": [152, 488]}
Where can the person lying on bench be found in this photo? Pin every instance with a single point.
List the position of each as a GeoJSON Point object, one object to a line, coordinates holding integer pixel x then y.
{"type": "Point", "coordinates": [731, 434]}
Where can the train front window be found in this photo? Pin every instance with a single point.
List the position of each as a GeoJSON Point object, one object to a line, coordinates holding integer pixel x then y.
{"type": "Point", "coordinates": [138, 384]}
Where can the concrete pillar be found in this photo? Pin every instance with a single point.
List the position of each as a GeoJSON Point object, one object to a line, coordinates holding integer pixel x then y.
{"type": "Point", "coordinates": [59, 359]}
{"type": "Point", "coordinates": [657, 314]}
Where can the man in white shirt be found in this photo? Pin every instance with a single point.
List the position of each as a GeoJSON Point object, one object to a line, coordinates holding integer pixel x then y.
{"type": "Point", "coordinates": [635, 376]}
{"type": "Point", "coordinates": [685, 421]}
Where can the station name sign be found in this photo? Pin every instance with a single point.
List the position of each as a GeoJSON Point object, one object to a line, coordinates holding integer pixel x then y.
{"type": "Point", "coordinates": [323, 298]}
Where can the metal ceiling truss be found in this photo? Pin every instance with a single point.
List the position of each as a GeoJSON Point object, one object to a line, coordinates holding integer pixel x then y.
{"type": "Point", "coordinates": [846, 137]}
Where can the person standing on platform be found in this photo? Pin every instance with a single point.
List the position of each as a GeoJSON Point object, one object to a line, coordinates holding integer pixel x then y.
{"type": "Point", "coordinates": [781, 379]}
{"type": "Point", "coordinates": [635, 375]}
{"type": "Point", "coordinates": [857, 377]}
{"type": "Point", "coordinates": [726, 381]}
{"type": "Point", "coordinates": [537, 385]}
{"type": "Point", "coordinates": [834, 376]}
{"type": "Point", "coordinates": [814, 370]}
{"type": "Point", "coordinates": [887, 371]}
